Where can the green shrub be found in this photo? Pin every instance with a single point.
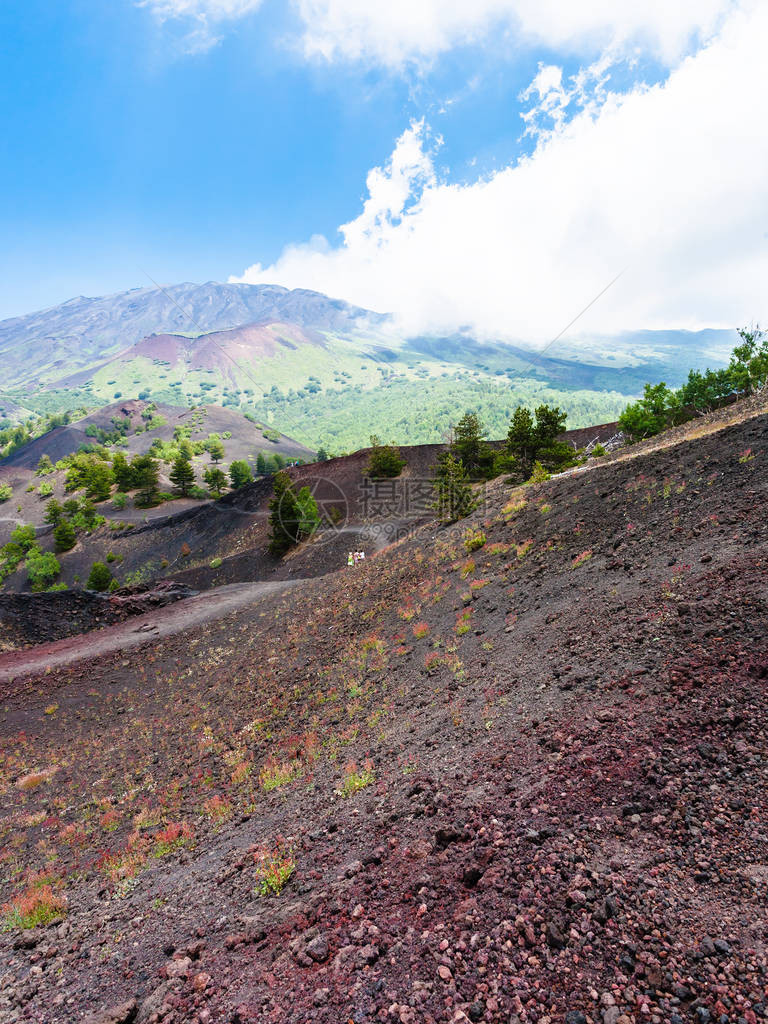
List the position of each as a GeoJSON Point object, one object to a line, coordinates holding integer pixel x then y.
{"type": "Point", "coordinates": [119, 500]}
{"type": "Point", "coordinates": [45, 490]}
{"type": "Point", "coordinates": [42, 569]}
{"type": "Point", "coordinates": [538, 474]}
{"type": "Point", "coordinates": [5, 492]}
{"type": "Point", "coordinates": [99, 578]}
{"type": "Point", "coordinates": [216, 563]}
{"type": "Point", "coordinates": [473, 540]}
{"type": "Point", "coordinates": [384, 461]}
{"type": "Point", "coordinates": [64, 535]}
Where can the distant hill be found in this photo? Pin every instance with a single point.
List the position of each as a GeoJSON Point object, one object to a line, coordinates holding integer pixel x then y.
{"type": "Point", "coordinates": [45, 345]}
{"type": "Point", "coordinates": [246, 438]}
{"type": "Point", "coordinates": [318, 369]}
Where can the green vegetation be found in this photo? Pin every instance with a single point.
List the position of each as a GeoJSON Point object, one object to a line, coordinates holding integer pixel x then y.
{"type": "Point", "coordinates": [385, 460]}
{"type": "Point", "coordinates": [42, 568]}
{"type": "Point", "coordinates": [216, 480]}
{"type": "Point", "coordinates": [99, 577]}
{"type": "Point", "coordinates": [530, 442]}
{"type": "Point", "coordinates": [660, 407]}
{"type": "Point", "coordinates": [182, 475]}
{"type": "Point", "coordinates": [6, 492]}
{"type": "Point", "coordinates": [64, 535]}
{"type": "Point", "coordinates": [292, 517]}
{"type": "Point", "coordinates": [469, 447]}
{"type": "Point", "coordinates": [453, 494]}
{"type": "Point", "coordinates": [240, 473]}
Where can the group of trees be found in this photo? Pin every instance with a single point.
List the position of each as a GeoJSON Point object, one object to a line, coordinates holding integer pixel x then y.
{"type": "Point", "coordinates": [42, 566]}
{"type": "Point", "coordinates": [661, 407]}
{"type": "Point", "coordinates": [532, 441]}
{"type": "Point", "coordinates": [74, 516]}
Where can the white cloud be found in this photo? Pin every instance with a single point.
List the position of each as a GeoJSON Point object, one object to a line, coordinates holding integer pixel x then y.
{"type": "Point", "coordinates": [201, 19]}
{"type": "Point", "coordinates": [400, 31]}
{"type": "Point", "coordinates": [668, 180]}
{"type": "Point", "coordinates": [407, 31]}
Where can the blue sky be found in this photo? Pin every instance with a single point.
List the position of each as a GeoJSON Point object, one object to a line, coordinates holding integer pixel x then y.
{"type": "Point", "coordinates": [198, 139]}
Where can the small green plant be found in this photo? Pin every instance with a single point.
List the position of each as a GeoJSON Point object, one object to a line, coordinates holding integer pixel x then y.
{"type": "Point", "coordinates": [473, 540]}
{"type": "Point", "coordinates": [216, 563]}
{"type": "Point", "coordinates": [581, 559]}
{"type": "Point", "coordinates": [539, 474]}
{"type": "Point", "coordinates": [36, 906]}
{"type": "Point", "coordinates": [5, 492]}
{"type": "Point", "coordinates": [176, 836]}
{"type": "Point", "coordinates": [355, 780]}
{"type": "Point", "coordinates": [598, 451]}
{"type": "Point", "coordinates": [420, 630]}
{"type": "Point", "coordinates": [274, 775]}
{"type": "Point", "coordinates": [274, 867]}
{"type": "Point", "coordinates": [524, 548]}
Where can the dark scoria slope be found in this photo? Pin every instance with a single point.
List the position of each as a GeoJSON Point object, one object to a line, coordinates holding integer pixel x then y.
{"type": "Point", "coordinates": [565, 819]}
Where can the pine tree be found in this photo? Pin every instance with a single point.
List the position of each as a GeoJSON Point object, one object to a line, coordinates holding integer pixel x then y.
{"type": "Point", "coordinates": [99, 578]}
{"type": "Point", "coordinates": [182, 475]}
{"type": "Point", "coordinates": [215, 449]}
{"type": "Point", "coordinates": [240, 473]}
{"type": "Point", "coordinates": [215, 479]}
{"type": "Point", "coordinates": [284, 516]}
{"type": "Point", "coordinates": [145, 473]}
{"type": "Point", "coordinates": [453, 494]}
{"type": "Point", "coordinates": [384, 461]}
{"type": "Point", "coordinates": [521, 440]}
{"type": "Point", "coordinates": [261, 464]}
{"type": "Point", "coordinates": [469, 446]}
{"type": "Point", "coordinates": [64, 535]}
{"type": "Point", "coordinates": [53, 512]}
{"type": "Point", "coordinates": [122, 472]}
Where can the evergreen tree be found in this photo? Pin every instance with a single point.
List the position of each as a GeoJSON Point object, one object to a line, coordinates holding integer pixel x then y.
{"type": "Point", "coordinates": [240, 473]}
{"type": "Point", "coordinates": [146, 474]}
{"type": "Point", "coordinates": [99, 578]}
{"type": "Point", "coordinates": [530, 441]}
{"type": "Point", "coordinates": [469, 447]}
{"type": "Point", "coordinates": [54, 513]}
{"type": "Point", "coordinates": [186, 449]}
{"type": "Point", "coordinates": [215, 449]}
{"type": "Point", "coordinates": [309, 515]}
{"type": "Point", "coordinates": [44, 465]}
{"type": "Point", "coordinates": [521, 440]}
{"type": "Point", "coordinates": [384, 461]}
{"type": "Point", "coordinates": [284, 516]}
{"type": "Point", "coordinates": [64, 535]}
{"type": "Point", "coordinates": [122, 472]}
{"type": "Point", "coordinates": [322, 455]}
{"type": "Point", "coordinates": [215, 479]}
{"type": "Point", "coordinates": [261, 464]}
{"type": "Point", "coordinates": [98, 479]}
{"type": "Point", "coordinates": [453, 494]}
{"type": "Point", "coordinates": [182, 475]}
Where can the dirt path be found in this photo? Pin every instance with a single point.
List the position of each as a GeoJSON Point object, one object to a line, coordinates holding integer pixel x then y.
{"type": "Point", "coordinates": [122, 637]}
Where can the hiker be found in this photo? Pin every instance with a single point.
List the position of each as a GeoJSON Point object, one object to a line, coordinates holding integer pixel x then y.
{"type": "Point", "coordinates": [362, 556]}
{"type": "Point", "coordinates": [350, 559]}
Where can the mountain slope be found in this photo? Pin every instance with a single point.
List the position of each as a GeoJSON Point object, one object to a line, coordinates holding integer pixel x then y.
{"type": "Point", "coordinates": [523, 783]}
{"type": "Point", "coordinates": [45, 345]}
